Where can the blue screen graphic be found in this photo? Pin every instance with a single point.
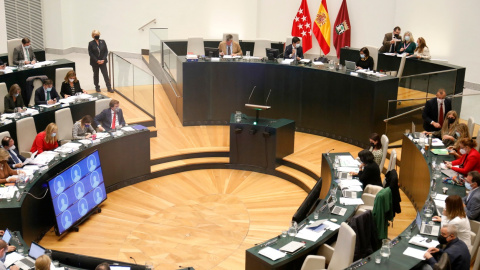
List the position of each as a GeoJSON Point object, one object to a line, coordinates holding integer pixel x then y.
{"type": "Point", "coordinates": [77, 190]}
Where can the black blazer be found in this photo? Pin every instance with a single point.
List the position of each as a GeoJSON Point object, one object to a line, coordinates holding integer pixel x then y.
{"type": "Point", "coordinates": [66, 90]}
{"type": "Point", "coordinates": [10, 159]}
{"type": "Point", "coordinates": [288, 51]}
{"type": "Point", "coordinates": [370, 175]}
{"type": "Point", "coordinates": [10, 105]}
{"type": "Point", "coordinates": [40, 95]}
{"type": "Point", "coordinates": [93, 49]}
{"type": "Point", "coordinates": [105, 119]}
{"type": "Point", "coordinates": [430, 113]}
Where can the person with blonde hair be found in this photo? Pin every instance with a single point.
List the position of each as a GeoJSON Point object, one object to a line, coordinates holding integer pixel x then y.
{"type": "Point", "coordinates": [71, 85]}
{"type": "Point", "coordinates": [13, 99]}
{"type": "Point", "coordinates": [43, 263]}
{"type": "Point", "coordinates": [7, 175]}
{"type": "Point", "coordinates": [448, 133]}
{"type": "Point", "coordinates": [407, 46]}
{"type": "Point", "coordinates": [462, 132]}
{"type": "Point", "coordinates": [422, 51]}
{"type": "Point", "coordinates": [98, 51]}
{"type": "Point", "coordinates": [46, 140]}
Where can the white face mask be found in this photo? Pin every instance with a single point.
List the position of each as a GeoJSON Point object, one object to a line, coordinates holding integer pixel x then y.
{"type": "Point", "coordinates": [12, 147]}
{"type": "Point", "coordinates": [71, 80]}
{"type": "Point", "coordinates": [297, 46]}
{"type": "Point", "coordinates": [54, 134]}
{"type": "Point", "coordinates": [463, 151]}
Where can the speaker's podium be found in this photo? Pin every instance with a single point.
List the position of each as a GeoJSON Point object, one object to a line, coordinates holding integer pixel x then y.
{"type": "Point", "coordinates": [260, 142]}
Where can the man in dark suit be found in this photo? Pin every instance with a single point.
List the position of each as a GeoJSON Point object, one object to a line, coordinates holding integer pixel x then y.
{"type": "Point", "coordinates": [435, 110]}
{"type": "Point", "coordinates": [456, 249]}
{"type": "Point", "coordinates": [111, 118]}
{"type": "Point", "coordinates": [46, 94]}
{"type": "Point", "coordinates": [98, 51]}
{"type": "Point", "coordinates": [391, 41]}
{"type": "Point", "coordinates": [24, 53]}
{"type": "Point", "coordinates": [293, 50]}
{"type": "Point", "coordinates": [472, 200]}
{"type": "Point", "coordinates": [16, 160]}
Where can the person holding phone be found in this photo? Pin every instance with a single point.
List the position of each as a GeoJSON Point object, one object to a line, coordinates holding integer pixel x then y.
{"type": "Point", "coordinates": [46, 94]}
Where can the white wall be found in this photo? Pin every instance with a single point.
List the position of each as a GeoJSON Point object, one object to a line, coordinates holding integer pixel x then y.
{"type": "Point", "coordinates": [3, 29]}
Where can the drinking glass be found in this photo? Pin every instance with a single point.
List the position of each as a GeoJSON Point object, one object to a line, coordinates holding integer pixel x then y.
{"type": "Point", "coordinates": [433, 194]}
{"type": "Point", "coordinates": [315, 215]}
{"type": "Point", "coordinates": [247, 54]}
{"type": "Point", "coordinates": [21, 183]}
{"type": "Point", "coordinates": [378, 258]}
{"type": "Point", "coordinates": [385, 251]}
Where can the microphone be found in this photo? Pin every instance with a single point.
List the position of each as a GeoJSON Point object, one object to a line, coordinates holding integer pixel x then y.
{"type": "Point", "coordinates": [251, 93]}
{"type": "Point", "coordinates": [328, 152]}
{"type": "Point", "coordinates": [133, 259]}
{"type": "Point", "coordinates": [269, 96]}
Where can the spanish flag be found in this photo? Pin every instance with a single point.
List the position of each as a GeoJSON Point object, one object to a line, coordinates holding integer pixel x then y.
{"type": "Point", "coordinates": [321, 28]}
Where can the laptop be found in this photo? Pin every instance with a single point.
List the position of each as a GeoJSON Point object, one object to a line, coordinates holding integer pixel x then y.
{"type": "Point", "coordinates": [349, 194]}
{"type": "Point", "coordinates": [7, 236]}
{"type": "Point", "coordinates": [350, 66]}
{"type": "Point", "coordinates": [336, 210]}
{"type": "Point", "coordinates": [416, 135]}
{"type": "Point", "coordinates": [426, 228]}
{"type": "Point", "coordinates": [28, 262]}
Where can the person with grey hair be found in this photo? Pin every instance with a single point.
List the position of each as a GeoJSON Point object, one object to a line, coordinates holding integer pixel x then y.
{"type": "Point", "coordinates": [229, 47]}
{"type": "Point", "coordinates": [455, 248]}
{"type": "Point", "coordinates": [103, 266]}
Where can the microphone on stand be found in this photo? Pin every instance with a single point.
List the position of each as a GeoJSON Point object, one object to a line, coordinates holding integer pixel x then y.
{"type": "Point", "coordinates": [133, 259]}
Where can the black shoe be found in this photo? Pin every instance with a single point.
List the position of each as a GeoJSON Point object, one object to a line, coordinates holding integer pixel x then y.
{"type": "Point", "coordinates": [110, 90]}
{"type": "Point", "coordinates": [97, 89]}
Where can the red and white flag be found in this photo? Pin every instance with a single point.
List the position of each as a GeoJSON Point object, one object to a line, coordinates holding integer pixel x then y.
{"type": "Point", "coordinates": [302, 26]}
{"type": "Point", "coordinates": [342, 29]}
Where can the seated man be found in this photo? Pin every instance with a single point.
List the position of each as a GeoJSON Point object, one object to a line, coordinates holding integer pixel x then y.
{"type": "Point", "coordinates": [456, 249]}
{"type": "Point", "coordinates": [3, 252]}
{"type": "Point", "coordinates": [293, 50]}
{"type": "Point", "coordinates": [435, 110]}
{"type": "Point", "coordinates": [111, 118]}
{"type": "Point", "coordinates": [46, 94]}
{"type": "Point", "coordinates": [229, 47]}
{"type": "Point", "coordinates": [16, 160]}
{"type": "Point", "coordinates": [472, 200]}
{"type": "Point", "coordinates": [103, 266]}
{"type": "Point", "coordinates": [10, 248]}
{"type": "Point", "coordinates": [24, 53]}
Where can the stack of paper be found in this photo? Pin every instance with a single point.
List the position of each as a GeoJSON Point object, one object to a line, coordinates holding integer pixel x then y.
{"type": "Point", "coordinates": [349, 183]}
{"type": "Point", "coordinates": [318, 63]}
{"type": "Point", "coordinates": [437, 142]}
{"type": "Point", "coordinates": [10, 190]}
{"type": "Point", "coordinates": [422, 241]}
{"type": "Point", "coordinates": [68, 148]}
{"type": "Point", "coordinates": [11, 258]}
{"type": "Point", "coordinates": [310, 235]}
{"type": "Point", "coordinates": [332, 226]}
{"type": "Point", "coordinates": [348, 161]}
{"type": "Point", "coordinates": [415, 253]}
{"type": "Point", "coordinates": [349, 201]}
{"type": "Point", "coordinates": [44, 158]}
{"type": "Point", "coordinates": [272, 253]}
{"type": "Point", "coordinates": [353, 188]}
{"type": "Point", "coordinates": [128, 129]}
{"type": "Point", "coordinates": [102, 135]}
{"type": "Point", "coordinates": [49, 105]}
{"type": "Point", "coordinates": [30, 169]}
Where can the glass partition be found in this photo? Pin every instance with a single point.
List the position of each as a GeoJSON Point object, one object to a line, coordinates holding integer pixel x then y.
{"type": "Point", "coordinates": [157, 36]}
{"type": "Point", "coordinates": [134, 84]}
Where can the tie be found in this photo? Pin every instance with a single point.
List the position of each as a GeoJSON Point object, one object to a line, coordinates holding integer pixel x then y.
{"type": "Point", "coordinates": [440, 117]}
{"type": "Point", "coordinates": [114, 119]}
{"type": "Point", "coordinates": [48, 95]}
{"type": "Point", "coordinates": [27, 54]}
{"type": "Point", "coordinates": [14, 157]}
{"type": "Point", "coordinates": [229, 50]}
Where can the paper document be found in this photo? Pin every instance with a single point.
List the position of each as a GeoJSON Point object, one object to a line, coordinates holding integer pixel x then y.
{"type": "Point", "coordinates": [292, 246]}
{"type": "Point", "coordinates": [49, 105]}
{"type": "Point", "coordinates": [439, 204]}
{"type": "Point", "coordinates": [305, 61]}
{"type": "Point", "coordinates": [11, 258]}
{"type": "Point", "coordinates": [422, 241]}
{"type": "Point", "coordinates": [348, 161]}
{"type": "Point", "coordinates": [318, 63]}
{"type": "Point", "coordinates": [309, 234]}
{"type": "Point", "coordinates": [400, 55]}
{"type": "Point", "coordinates": [440, 152]}
{"type": "Point", "coordinates": [415, 253]}
{"type": "Point", "coordinates": [441, 197]}
{"type": "Point", "coordinates": [10, 190]}
{"type": "Point", "coordinates": [348, 169]}
{"type": "Point", "coordinates": [354, 188]}
{"type": "Point", "coordinates": [349, 201]}
{"type": "Point", "coordinates": [390, 54]}
{"type": "Point", "coordinates": [102, 135]}
{"type": "Point", "coordinates": [348, 183]}
{"type": "Point", "coordinates": [332, 226]}
{"type": "Point", "coordinates": [272, 253]}
{"type": "Point", "coordinates": [437, 142]}
{"type": "Point", "coordinates": [128, 129]}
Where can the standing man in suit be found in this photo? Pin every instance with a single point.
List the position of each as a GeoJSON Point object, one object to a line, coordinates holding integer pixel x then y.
{"type": "Point", "coordinates": [472, 200]}
{"type": "Point", "coordinates": [391, 41]}
{"type": "Point", "coordinates": [110, 118]}
{"type": "Point", "coordinates": [229, 47]}
{"type": "Point", "coordinates": [24, 52]}
{"type": "Point", "coordinates": [46, 94]}
{"type": "Point", "coordinates": [16, 160]}
{"type": "Point", "coordinates": [98, 51]}
{"type": "Point", "coordinates": [435, 110]}
{"type": "Point", "coordinates": [294, 49]}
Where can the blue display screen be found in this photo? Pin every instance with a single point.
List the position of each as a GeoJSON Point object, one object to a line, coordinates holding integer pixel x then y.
{"type": "Point", "coordinates": [77, 190]}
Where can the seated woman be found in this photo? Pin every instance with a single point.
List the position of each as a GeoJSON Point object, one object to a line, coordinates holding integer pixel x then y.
{"type": "Point", "coordinates": [376, 148]}
{"type": "Point", "coordinates": [46, 140]}
{"type": "Point", "coordinates": [70, 85]}
{"type": "Point", "coordinates": [43, 262]}
{"type": "Point", "coordinates": [365, 61]}
{"type": "Point", "coordinates": [462, 132]}
{"type": "Point", "coordinates": [13, 99]}
{"type": "Point", "coordinates": [448, 134]}
{"type": "Point", "coordinates": [7, 175]}
{"type": "Point", "coordinates": [454, 214]}
{"type": "Point", "coordinates": [369, 173]}
{"type": "Point", "coordinates": [422, 51]}
{"type": "Point", "coordinates": [83, 129]}
{"type": "Point", "coordinates": [470, 159]}
{"type": "Point", "coordinates": [407, 46]}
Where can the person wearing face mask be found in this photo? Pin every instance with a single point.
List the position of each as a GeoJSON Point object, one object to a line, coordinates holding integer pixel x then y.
{"type": "Point", "coordinates": [369, 173]}
{"type": "Point", "coordinates": [365, 61]}
{"type": "Point", "coordinates": [408, 45]}
{"type": "Point", "coordinates": [46, 140]}
{"type": "Point", "coordinates": [24, 53]}
{"type": "Point", "coordinates": [98, 51]}
{"type": "Point", "coordinates": [16, 160]}
{"type": "Point", "coordinates": [83, 129]}
{"type": "Point", "coordinates": [470, 159]}
{"type": "Point", "coordinates": [71, 85]}
{"type": "Point", "coordinates": [7, 175]}
{"type": "Point", "coordinates": [111, 118]}
{"type": "Point", "coordinates": [391, 41]}
{"type": "Point", "coordinates": [454, 214]}
{"type": "Point", "coordinates": [3, 254]}
{"type": "Point", "coordinates": [434, 112]}
{"type": "Point", "coordinates": [13, 99]}
{"type": "Point", "coordinates": [376, 148]}
{"type": "Point", "coordinates": [472, 200]}
{"type": "Point", "coordinates": [449, 133]}
{"type": "Point", "coordinates": [46, 94]}
{"type": "Point", "coordinates": [455, 248]}
{"type": "Point", "coordinates": [294, 50]}
{"type": "Point", "coordinates": [422, 51]}
{"type": "Point", "coordinates": [462, 132]}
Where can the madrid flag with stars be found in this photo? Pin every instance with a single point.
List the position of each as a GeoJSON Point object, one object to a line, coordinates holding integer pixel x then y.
{"type": "Point", "coordinates": [302, 26]}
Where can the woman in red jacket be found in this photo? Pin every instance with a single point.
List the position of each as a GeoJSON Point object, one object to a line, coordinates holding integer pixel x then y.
{"type": "Point", "coordinates": [470, 159]}
{"type": "Point", "coordinates": [46, 140]}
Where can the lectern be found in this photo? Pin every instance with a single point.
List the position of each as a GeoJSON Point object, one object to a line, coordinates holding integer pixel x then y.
{"type": "Point", "coordinates": [260, 143]}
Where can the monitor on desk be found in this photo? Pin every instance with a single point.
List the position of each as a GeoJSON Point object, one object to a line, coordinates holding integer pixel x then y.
{"type": "Point", "coordinates": [309, 204]}
{"type": "Point", "coordinates": [212, 52]}
{"type": "Point", "coordinates": [7, 236]}
{"type": "Point", "coordinates": [77, 191]}
{"type": "Point", "coordinates": [272, 54]}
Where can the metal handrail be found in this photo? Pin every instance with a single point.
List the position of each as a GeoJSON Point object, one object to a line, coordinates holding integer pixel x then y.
{"type": "Point", "coordinates": [451, 96]}
{"type": "Point", "coordinates": [428, 73]}
{"type": "Point", "coordinates": [142, 28]}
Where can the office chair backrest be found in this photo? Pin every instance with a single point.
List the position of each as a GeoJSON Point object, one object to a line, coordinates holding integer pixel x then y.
{"type": "Point", "coordinates": [260, 46]}
{"type": "Point", "coordinates": [471, 126]}
{"type": "Point", "coordinates": [475, 229]}
{"type": "Point", "coordinates": [374, 54]}
{"type": "Point", "coordinates": [63, 119]}
{"type": "Point", "coordinates": [101, 105]}
{"type": "Point", "coordinates": [60, 74]}
{"type": "Point", "coordinates": [3, 93]}
{"type": "Point", "coordinates": [344, 249]}
{"type": "Point", "coordinates": [11, 44]}
{"type": "Point", "coordinates": [26, 133]}
{"type": "Point", "coordinates": [385, 141]}
{"type": "Point", "coordinates": [393, 160]}
{"type": "Point", "coordinates": [36, 84]}
{"type": "Point", "coordinates": [235, 37]}
{"type": "Point", "coordinates": [195, 45]}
